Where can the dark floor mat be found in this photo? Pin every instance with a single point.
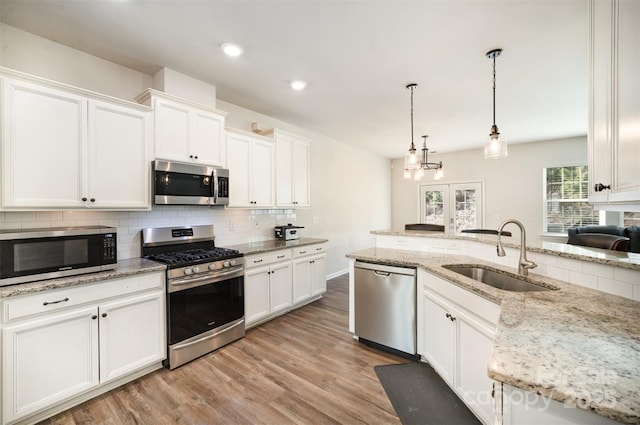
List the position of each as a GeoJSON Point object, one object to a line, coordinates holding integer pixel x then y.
{"type": "Point", "coordinates": [420, 397]}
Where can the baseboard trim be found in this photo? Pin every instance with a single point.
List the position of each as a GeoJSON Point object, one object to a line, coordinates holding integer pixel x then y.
{"type": "Point", "coordinates": [338, 273]}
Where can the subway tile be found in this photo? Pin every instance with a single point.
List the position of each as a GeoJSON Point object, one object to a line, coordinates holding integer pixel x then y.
{"type": "Point", "coordinates": [615, 288]}
{"type": "Point", "coordinates": [583, 279]}
{"type": "Point", "coordinates": [19, 216]}
{"type": "Point", "coordinates": [600, 270]}
{"type": "Point", "coordinates": [48, 215]}
{"type": "Point", "coordinates": [556, 273]}
{"type": "Point", "coordinates": [626, 275]}
{"type": "Point", "coordinates": [569, 264]}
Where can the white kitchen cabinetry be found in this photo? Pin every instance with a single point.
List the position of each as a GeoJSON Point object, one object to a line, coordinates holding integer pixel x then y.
{"type": "Point", "coordinates": [614, 118]}
{"type": "Point", "coordinates": [309, 272]}
{"type": "Point", "coordinates": [66, 148]}
{"type": "Point", "coordinates": [251, 163]}
{"type": "Point", "coordinates": [293, 155]}
{"type": "Point", "coordinates": [268, 284]}
{"type": "Point", "coordinates": [64, 346]}
{"type": "Point", "coordinates": [519, 407]}
{"type": "Point", "coordinates": [456, 330]}
{"type": "Point", "coordinates": [186, 131]}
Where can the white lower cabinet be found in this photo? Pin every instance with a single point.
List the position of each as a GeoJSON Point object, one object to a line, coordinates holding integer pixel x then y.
{"type": "Point", "coordinates": [456, 333]}
{"type": "Point", "coordinates": [268, 284]}
{"type": "Point", "coordinates": [309, 272]}
{"type": "Point", "coordinates": [79, 341]}
{"type": "Point", "coordinates": [279, 281]}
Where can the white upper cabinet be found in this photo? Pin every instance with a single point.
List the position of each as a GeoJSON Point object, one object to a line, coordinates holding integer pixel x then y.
{"type": "Point", "coordinates": [614, 116]}
{"type": "Point", "coordinates": [186, 131]}
{"type": "Point", "coordinates": [66, 148]}
{"type": "Point", "coordinates": [251, 163]}
{"type": "Point", "coordinates": [292, 170]}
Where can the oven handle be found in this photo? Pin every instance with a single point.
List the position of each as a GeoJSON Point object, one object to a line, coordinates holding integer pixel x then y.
{"type": "Point", "coordinates": [210, 278]}
{"type": "Point", "coordinates": [198, 341]}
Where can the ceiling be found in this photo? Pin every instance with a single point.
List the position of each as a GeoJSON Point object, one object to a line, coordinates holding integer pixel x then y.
{"type": "Point", "coordinates": [357, 57]}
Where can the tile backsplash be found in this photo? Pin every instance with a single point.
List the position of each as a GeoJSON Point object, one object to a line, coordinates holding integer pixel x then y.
{"type": "Point", "coordinates": [232, 226]}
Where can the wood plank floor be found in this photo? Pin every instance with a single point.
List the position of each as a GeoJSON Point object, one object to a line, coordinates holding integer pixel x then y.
{"type": "Point", "coordinates": [301, 368]}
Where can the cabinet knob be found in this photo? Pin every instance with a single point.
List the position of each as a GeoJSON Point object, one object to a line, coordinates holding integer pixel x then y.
{"type": "Point", "coordinates": [93, 199]}
{"type": "Point", "coordinates": [599, 187]}
{"type": "Point", "coordinates": [191, 156]}
{"type": "Point", "coordinates": [94, 317]}
{"type": "Point", "coordinates": [196, 157]}
{"type": "Point", "coordinates": [104, 314]}
{"type": "Point", "coordinates": [84, 199]}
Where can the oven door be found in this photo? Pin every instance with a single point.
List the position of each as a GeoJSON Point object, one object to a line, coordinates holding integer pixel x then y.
{"type": "Point", "coordinates": [204, 313]}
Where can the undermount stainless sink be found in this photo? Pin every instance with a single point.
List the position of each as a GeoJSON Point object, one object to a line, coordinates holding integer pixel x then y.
{"type": "Point", "coordinates": [504, 281]}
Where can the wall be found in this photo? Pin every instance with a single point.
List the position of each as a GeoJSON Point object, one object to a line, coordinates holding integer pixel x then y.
{"type": "Point", "coordinates": [513, 186]}
{"type": "Point", "coordinates": [345, 206]}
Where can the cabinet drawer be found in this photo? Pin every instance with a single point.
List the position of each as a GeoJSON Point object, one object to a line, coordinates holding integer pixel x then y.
{"type": "Point", "coordinates": [58, 299]}
{"type": "Point", "coordinates": [309, 250]}
{"type": "Point", "coordinates": [267, 258]}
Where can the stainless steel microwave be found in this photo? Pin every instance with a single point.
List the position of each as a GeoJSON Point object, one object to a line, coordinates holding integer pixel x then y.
{"type": "Point", "coordinates": [179, 183]}
{"type": "Point", "coordinates": [28, 255]}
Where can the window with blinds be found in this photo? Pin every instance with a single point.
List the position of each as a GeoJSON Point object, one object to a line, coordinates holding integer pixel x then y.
{"type": "Point", "coordinates": [565, 199]}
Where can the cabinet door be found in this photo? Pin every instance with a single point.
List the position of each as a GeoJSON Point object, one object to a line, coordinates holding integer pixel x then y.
{"type": "Point", "coordinates": [301, 170]}
{"type": "Point", "coordinates": [256, 294]}
{"type": "Point", "coordinates": [119, 157]}
{"type": "Point", "coordinates": [280, 291]}
{"type": "Point", "coordinates": [439, 332]}
{"type": "Point", "coordinates": [318, 275]}
{"type": "Point", "coordinates": [301, 279]}
{"type": "Point", "coordinates": [172, 130]}
{"type": "Point", "coordinates": [263, 174]}
{"type": "Point", "coordinates": [284, 171]}
{"type": "Point", "coordinates": [48, 360]}
{"type": "Point", "coordinates": [238, 161]}
{"type": "Point", "coordinates": [207, 142]}
{"type": "Point", "coordinates": [43, 137]}
{"type": "Point", "coordinates": [473, 349]}
{"type": "Point", "coordinates": [132, 335]}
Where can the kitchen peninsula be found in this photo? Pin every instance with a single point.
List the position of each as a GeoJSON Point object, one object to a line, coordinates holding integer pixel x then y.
{"type": "Point", "coordinates": [575, 345]}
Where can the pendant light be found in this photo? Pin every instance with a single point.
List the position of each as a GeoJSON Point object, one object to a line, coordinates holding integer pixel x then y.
{"type": "Point", "coordinates": [414, 165]}
{"type": "Point", "coordinates": [495, 147]}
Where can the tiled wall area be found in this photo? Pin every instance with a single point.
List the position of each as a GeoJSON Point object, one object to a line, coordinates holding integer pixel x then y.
{"type": "Point", "coordinates": [613, 280]}
{"type": "Point", "coordinates": [232, 226]}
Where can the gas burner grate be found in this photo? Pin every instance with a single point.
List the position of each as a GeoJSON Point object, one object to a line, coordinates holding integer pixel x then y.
{"type": "Point", "coordinates": [195, 255]}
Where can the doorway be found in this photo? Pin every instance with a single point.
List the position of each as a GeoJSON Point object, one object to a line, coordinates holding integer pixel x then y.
{"type": "Point", "coordinates": [455, 206]}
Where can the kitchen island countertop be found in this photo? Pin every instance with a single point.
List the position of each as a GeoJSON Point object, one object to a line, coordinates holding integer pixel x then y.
{"type": "Point", "coordinates": [575, 345]}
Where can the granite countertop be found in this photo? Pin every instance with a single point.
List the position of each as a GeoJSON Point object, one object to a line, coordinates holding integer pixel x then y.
{"type": "Point", "coordinates": [124, 268]}
{"type": "Point", "coordinates": [575, 345]}
{"type": "Point", "coordinates": [627, 260]}
{"type": "Point", "coordinates": [274, 245]}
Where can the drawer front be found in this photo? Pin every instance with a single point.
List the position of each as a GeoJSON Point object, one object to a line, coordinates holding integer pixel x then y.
{"type": "Point", "coordinates": [58, 299]}
{"type": "Point", "coordinates": [267, 258]}
{"type": "Point", "coordinates": [309, 250]}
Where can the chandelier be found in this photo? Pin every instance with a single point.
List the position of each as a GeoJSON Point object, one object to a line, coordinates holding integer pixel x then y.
{"type": "Point", "coordinates": [416, 164]}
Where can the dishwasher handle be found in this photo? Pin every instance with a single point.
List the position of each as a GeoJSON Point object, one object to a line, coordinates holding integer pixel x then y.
{"type": "Point", "coordinates": [379, 269]}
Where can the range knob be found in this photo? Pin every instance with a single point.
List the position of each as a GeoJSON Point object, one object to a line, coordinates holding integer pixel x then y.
{"type": "Point", "coordinates": [232, 262]}
{"type": "Point", "coordinates": [212, 266]}
{"type": "Point", "coordinates": [188, 271]}
{"type": "Point", "coordinates": [225, 264]}
{"type": "Point", "coordinates": [196, 269]}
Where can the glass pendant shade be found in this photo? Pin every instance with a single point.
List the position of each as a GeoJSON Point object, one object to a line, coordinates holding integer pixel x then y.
{"type": "Point", "coordinates": [495, 147]}
{"type": "Point", "coordinates": [439, 174]}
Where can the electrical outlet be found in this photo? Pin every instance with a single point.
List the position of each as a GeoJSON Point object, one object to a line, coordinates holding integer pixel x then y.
{"type": "Point", "coordinates": [256, 224]}
{"type": "Point", "coordinates": [232, 227]}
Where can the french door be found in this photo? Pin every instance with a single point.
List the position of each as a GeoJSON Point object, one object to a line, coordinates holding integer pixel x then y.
{"type": "Point", "coordinates": [455, 206]}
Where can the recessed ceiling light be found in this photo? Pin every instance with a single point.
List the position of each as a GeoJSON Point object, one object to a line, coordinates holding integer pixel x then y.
{"type": "Point", "coordinates": [232, 49]}
{"type": "Point", "coordinates": [298, 84]}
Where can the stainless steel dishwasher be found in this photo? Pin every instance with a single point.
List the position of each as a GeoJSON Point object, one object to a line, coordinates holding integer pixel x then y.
{"type": "Point", "coordinates": [385, 306]}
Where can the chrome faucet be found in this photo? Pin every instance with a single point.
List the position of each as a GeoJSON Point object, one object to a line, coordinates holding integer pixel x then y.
{"type": "Point", "coordinates": [523, 265]}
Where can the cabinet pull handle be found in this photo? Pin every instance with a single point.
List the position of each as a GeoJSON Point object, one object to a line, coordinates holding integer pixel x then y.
{"type": "Point", "coordinates": [104, 314]}
{"type": "Point", "coordinates": [303, 252]}
{"type": "Point", "coordinates": [55, 302]}
{"type": "Point", "coordinates": [599, 187]}
{"type": "Point", "coordinates": [311, 262]}
{"type": "Point", "coordinates": [280, 256]}
{"type": "Point", "coordinates": [450, 317]}
{"type": "Point", "coordinates": [257, 261]}
{"type": "Point", "coordinates": [318, 249]}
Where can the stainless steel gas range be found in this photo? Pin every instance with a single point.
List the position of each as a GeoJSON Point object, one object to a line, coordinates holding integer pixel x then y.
{"type": "Point", "coordinates": [205, 290]}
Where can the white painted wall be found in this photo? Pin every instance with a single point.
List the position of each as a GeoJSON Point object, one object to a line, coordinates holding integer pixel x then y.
{"type": "Point", "coordinates": [513, 187]}
{"type": "Point", "coordinates": [350, 188]}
